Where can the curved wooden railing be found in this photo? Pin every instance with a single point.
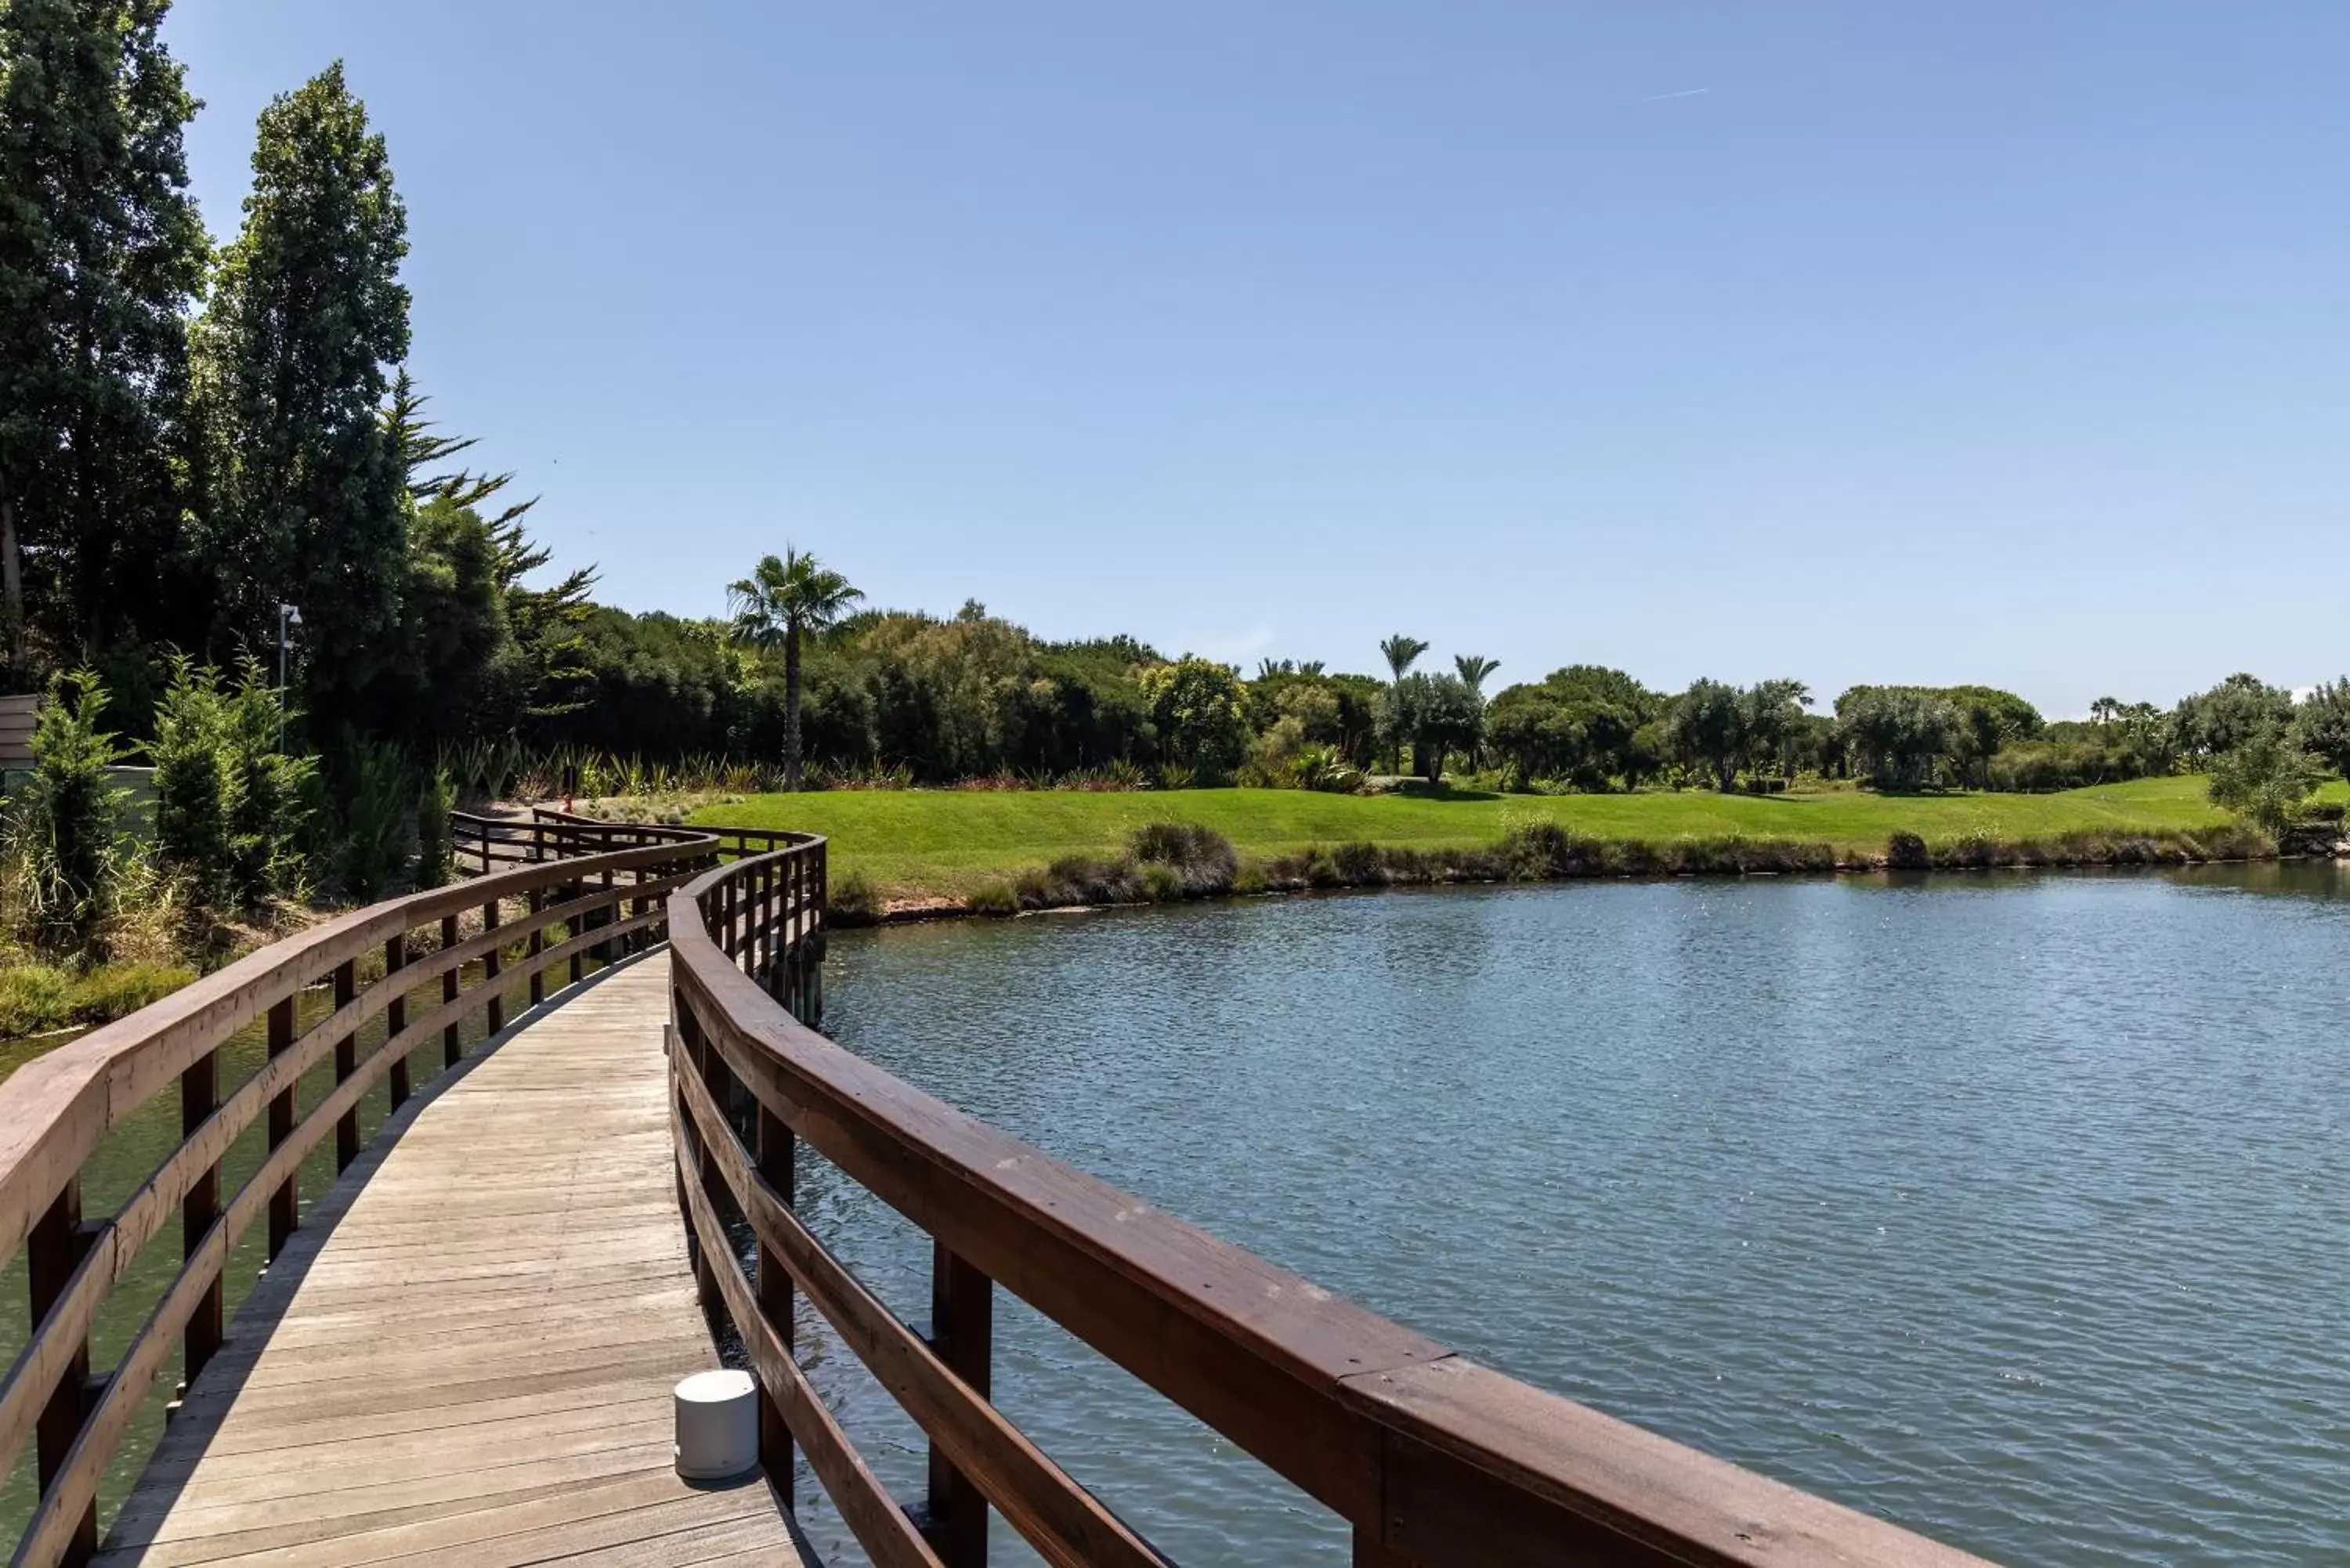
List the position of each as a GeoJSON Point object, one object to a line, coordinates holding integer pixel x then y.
{"type": "Point", "coordinates": [1429, 1456]}
{"type": "Point", "coordinates": [592, 893]}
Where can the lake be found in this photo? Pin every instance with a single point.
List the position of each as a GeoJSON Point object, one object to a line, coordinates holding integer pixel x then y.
{"type": "Point", "coordinates": [2014, 1208]}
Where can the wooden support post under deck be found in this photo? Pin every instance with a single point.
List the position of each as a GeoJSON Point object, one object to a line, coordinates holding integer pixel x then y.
{"type": "Point", "coordinates": [285, 1203]}
{"type": "Point", "coordinates": [346, 1062]}
{"type": "Point", "coordinates": [395, 1016]}
{"type": "Point", "coordinates": [452, 1039]}
{"type": "Point", "coordinates": [491, 965]}
{"type": "Point", "coordinates": [962, 1309]}
{"type": "Point", "coordinates": [776, 1302]}
{"type": "Point", "coordinates": [199, 1099]}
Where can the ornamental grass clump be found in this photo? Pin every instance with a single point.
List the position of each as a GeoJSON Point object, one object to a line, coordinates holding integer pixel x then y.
{"type": "Point", "coordinates": [1201, 861]}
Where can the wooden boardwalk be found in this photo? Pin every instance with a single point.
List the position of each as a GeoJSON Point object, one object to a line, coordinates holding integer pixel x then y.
{"type": "Point", "coordinates": [466, 1354]}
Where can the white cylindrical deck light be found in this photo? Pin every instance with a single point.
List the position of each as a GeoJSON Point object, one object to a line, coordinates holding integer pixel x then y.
{"type": "Point", "coordinates": [717, 1425]}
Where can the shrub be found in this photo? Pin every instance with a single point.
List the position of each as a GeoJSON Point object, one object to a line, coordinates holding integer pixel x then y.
{"type": "Point", "coordinates": [378, 802]}
{"type": "Point", "coordinates": [1075, 881]}
{"type": "Point", "coordinates": [33, 997]}
{"type": "Point", "coordinates": [435, 841]}
{"type": "Point", "coordinates": [1161, 884]}
{"type": "Point", "coordinates": [118, 990]}
{"type": "Point", "coordinates": [2265, 779]}
{"type": "Point", "coordinates": [1907, 852]}
{"type": "Point", "coordinates": [1358, 864]}
{"type": "Point", "coordinates": [68, 822]}
{"type": "Point", "coordinates": [273, 793]}
{"type": "Point", "coordinates": [1202, 859]}
{"type": "Point", "coordinates": [195, 789]}
{"type": "Point", "coordinates": [851, 902]}
{"type": "Point", "coordinates": [994, 899]}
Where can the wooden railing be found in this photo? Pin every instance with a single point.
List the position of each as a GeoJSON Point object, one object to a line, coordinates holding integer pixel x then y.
{"type": "Point", "coordinates": [593, 894]}
{"type": "Point", "coordinates": [1429, 1456]}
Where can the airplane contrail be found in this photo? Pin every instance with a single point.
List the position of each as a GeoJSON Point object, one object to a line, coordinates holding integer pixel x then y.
{"type": "Point", "coordinates": [1685, 92]}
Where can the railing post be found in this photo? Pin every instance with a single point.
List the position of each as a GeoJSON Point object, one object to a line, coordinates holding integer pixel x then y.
{"type": "Point", "coordinates": [606, 951]}
{"type": "Point", "coordinates": [395, 1016]}
{"type": "Point", "coordinates": [492, 963]}
{"type": "Point", "coordinates": [346, 1062]}
{"type": "Point", "coordinates": [284, 1204]}
{"type": "Point", "coordinates": [452, 1038]}
{"type": "Point", "coordinates": [199, 1099]}
{"type": "Point", "coordinates": [775, 1302]}
{"type": "Point", "coordinates": [962, 1308]}
{"type": "Point", "coordinates": [52, 1252]}
{"type": "Point", "coordinates": [572, 928]}
{"type": "Point", "coordinates": [537, 946]}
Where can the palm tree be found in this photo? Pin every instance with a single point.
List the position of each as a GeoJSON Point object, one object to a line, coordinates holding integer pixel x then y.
{"type": "Point", "coordinates": [2106, 709]}
{"type": "Point", "coordinates": [1401, 652]}
{"type": "Point", "coordinates": [1472, 668]}
{"type": "Point", "coordinates": [781, 599]}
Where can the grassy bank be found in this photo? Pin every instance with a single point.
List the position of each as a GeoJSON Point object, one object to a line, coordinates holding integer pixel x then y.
{"type": "Point", "coordinates": [951, 844]}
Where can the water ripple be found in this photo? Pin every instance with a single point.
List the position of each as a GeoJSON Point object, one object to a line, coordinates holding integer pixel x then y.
{"type": "Point", "coordinates": [2011, 1209]}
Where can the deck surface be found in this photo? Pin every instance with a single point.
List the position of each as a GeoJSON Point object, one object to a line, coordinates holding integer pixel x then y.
{"type": "Point", "coordinates": [466, 1353]}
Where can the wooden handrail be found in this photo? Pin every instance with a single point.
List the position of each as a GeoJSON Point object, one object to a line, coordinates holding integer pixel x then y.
{"type": "Point", "coordinates": [601, 892]}
{"type": "Point", "coordinates": [1430, 1458]}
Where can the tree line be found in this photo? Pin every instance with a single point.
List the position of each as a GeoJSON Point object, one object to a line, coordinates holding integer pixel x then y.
{"type": "Point", "coordinates": [207, 448]}
{"type": "Point", "coordinates": [204, 447]}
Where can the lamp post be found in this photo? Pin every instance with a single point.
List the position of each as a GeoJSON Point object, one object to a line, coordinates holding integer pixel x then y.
{"type": "Point", "coordinates": [288, 618]}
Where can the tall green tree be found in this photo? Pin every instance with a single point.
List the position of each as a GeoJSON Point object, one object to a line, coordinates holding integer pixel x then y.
{"type": "Point", "coordinates": [527, 648]}
{"type": "Point", "coordinates": [1401, 653]}
{"type": "Point", "coordinates": [1476, 669]}
{"type": "Point", "coordinates": [305, 490]}
{"type": "Point", "coordinates": [783, 599]}
{"type": "Point", "coordinates": [1200, 713]}
{"type": "Point", "coordinates": [1708, 729]}
{"type": "Point", "coordinates": [101, 252]}
{"type": "Point", "coordinates": [1775, 724]}
{"type": "Point", "coordinates": [2266, 778]}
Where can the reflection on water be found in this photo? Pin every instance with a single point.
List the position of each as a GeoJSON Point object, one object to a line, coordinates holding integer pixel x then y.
{"type": "Point", "coordinates": [2010, 1206]}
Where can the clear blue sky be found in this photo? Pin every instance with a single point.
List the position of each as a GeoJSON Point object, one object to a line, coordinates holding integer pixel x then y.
{"type": "Point", "coordinates": [1994, 342]}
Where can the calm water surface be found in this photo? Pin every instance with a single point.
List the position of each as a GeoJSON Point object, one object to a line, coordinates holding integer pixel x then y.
{"type": "Point", "coordinates": [2013, 1209]}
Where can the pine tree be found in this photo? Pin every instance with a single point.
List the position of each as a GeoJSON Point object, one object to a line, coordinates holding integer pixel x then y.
{"type": "Point", "coordinates": [307, 500]}
{"type": "Point", "coordinates": [101, 252]}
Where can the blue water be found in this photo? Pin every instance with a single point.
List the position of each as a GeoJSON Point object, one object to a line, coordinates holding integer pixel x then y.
{"type": "Point", "coordinates": [2012, 1209]}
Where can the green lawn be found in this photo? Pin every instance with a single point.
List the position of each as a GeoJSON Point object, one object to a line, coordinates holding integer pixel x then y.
{"type": "Point", "coordinates": [945, 841]}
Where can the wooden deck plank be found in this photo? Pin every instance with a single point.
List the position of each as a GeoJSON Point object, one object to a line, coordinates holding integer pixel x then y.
{"type": "Point", "coordinates": [466, 1355]}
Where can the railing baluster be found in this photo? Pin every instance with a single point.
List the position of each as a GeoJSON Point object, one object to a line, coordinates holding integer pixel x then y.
{"type": "Point", "coordinates": [52, 1250]}
{"type": "Point", "coordinates": [775, 1285]}
{"type": "Point", "coordinates": [285, 1203]}
{"type": "Point", "coordinates": [572, 928]}
{"type": "Point", "coordinates": [346, 1062]}
{"type": "Point", "coordinates": [452, 1038]}
{"type": "Point", "coordinates": [395, 1014]}
{"type": "Point", "coordinates": [537, 946]}
{"type": "Point", "coordinates": [199, 1099]}
{"type": "Point", "coordinates": [605, 952]}
{"type": "Point", "coordinates": [492, 963]}
{"type": "Point", "coordinates": [962, 1309]}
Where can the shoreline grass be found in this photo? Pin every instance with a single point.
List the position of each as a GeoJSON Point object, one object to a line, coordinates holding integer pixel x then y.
{"type": "Point", "coordinates": [949, 845]}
